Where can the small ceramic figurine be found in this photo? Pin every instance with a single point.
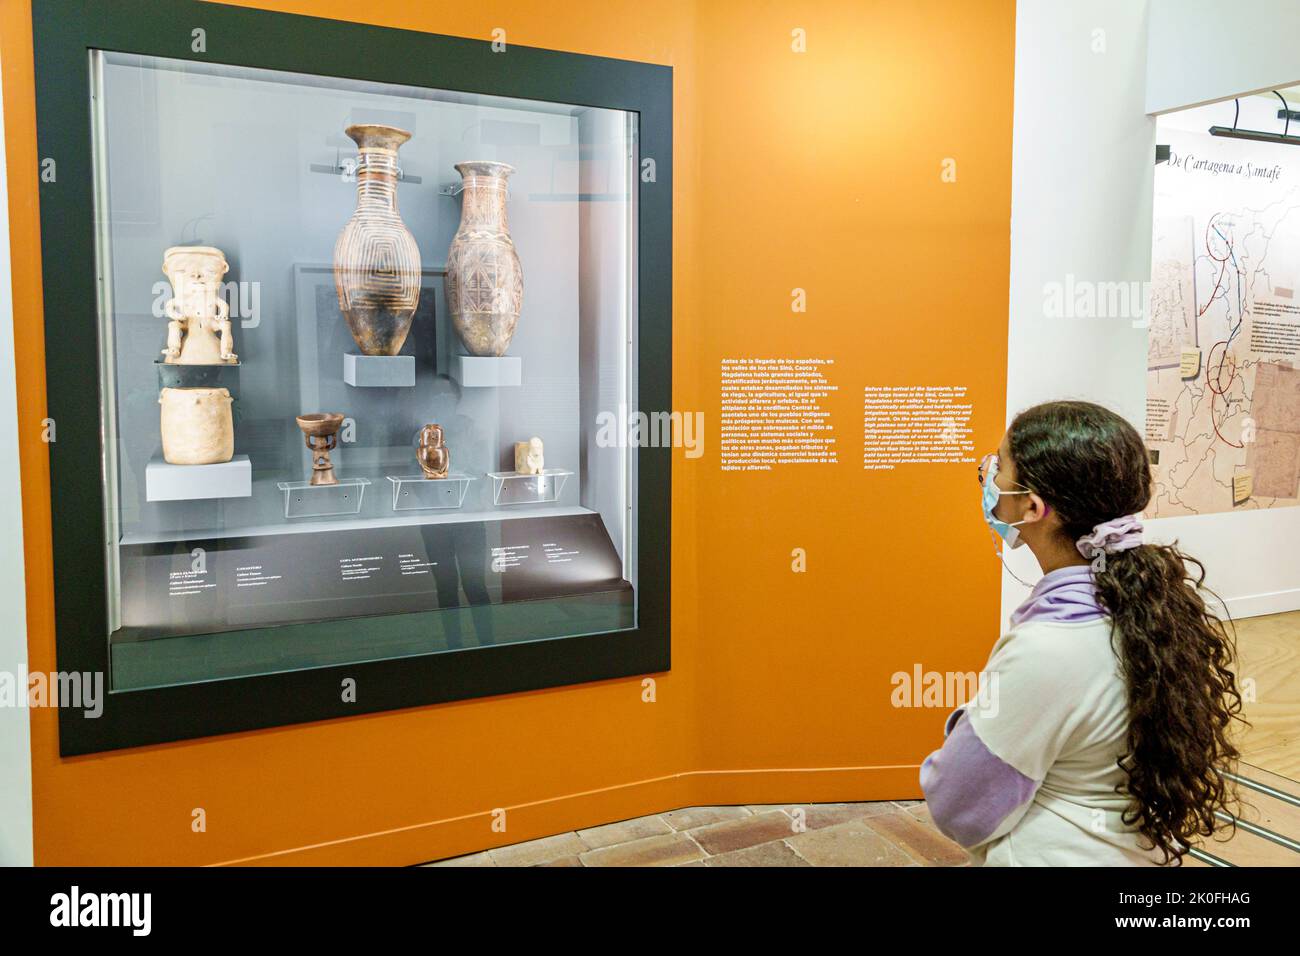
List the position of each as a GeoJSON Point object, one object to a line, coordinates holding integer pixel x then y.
{"type": "Point", "coordinates": [197, 426]}
{"type": "Point", "coordinates": [528, 457]}
{"type": "Point", "coordinates": [321, 430]}
{"type": "Point", "coordinates": [432, 453]}
{"type": "Point", "coordinates": [198, 332]}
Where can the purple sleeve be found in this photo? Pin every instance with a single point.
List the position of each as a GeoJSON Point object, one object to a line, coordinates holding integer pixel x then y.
{"type": "Point", "coordinates": [970, 792]}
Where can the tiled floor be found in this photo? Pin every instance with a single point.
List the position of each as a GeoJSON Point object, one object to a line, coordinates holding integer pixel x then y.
{"type": "Point", "coordinates": [899, 833]}
{"type": "Point", "coordinates": [886, 833]}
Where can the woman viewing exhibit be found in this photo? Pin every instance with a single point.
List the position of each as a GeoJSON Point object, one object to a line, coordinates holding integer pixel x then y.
{"type": "Point", "coordinates": [1100, 734]}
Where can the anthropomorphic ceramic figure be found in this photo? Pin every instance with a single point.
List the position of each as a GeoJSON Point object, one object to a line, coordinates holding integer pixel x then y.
{"type": "Point", "coordinates": [198, 330]}
{"type": "Point", "coordinates": [528, 457]}
{"type": "Point", "coordinates": [432, 453]}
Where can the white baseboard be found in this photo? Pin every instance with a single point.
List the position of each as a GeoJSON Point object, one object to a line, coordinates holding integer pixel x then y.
{"type": "Point", "coordinates": [1257, 605]}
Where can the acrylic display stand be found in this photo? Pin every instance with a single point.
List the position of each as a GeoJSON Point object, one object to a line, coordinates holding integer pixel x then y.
{"type": "Point", "coordinates": [416, 492]}
{"type": "Point", "coordinates": [512, 488]}
{"type": "Point", "coordinates": [302, 499]}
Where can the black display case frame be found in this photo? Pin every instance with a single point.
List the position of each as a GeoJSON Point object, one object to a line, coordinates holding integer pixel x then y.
{"type": "Point", "coordinates": [65, 33]}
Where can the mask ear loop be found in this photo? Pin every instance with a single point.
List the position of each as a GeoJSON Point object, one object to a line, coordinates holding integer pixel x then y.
{"type": "Point", "coordinates": [1006, 567]}
{"type": "Point", "coordinates": [1047, 509]}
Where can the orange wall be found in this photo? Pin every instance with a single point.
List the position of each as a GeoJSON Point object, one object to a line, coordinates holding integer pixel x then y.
{"type": "Point", "coordinates": [817, 170]}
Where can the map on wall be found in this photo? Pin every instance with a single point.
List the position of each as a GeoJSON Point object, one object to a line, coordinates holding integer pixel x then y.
{"type": "Point", "coordinates": [1223, 357]}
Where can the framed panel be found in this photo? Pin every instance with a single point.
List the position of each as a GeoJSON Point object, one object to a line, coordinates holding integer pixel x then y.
{"type": "Point", "coordinates": [224, 591]}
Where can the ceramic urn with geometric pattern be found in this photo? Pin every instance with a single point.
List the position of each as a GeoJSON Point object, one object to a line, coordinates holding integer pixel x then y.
{"type": "Point", "coordinates": [485, 283]}
{"type": "Point", "coordinates": [376, 260]}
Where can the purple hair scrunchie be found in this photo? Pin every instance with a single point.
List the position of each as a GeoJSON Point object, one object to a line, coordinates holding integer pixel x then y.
{"type": "Point", "coordinates": [1118, 534]}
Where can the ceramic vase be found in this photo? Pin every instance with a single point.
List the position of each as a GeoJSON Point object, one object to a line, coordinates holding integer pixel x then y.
{"type": "Point", "coordinates": [432, 453]}
{"type": "Point", "coordinates": [485, 284]}
{"type": "Point", "coordinates": [376, 260]}
{"type": "Point", "coordinates": [198, 327]}
{"type": "Point", "coordinates": [197, 426]}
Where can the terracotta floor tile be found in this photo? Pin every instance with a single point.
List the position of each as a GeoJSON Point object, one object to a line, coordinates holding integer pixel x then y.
{"type": "Point", "coordinates": [473, 859]}
{"type": "Point", "coordinates": [691, 817]}
{"type": "Point", "coordinates": [848, 844]}
{"type": "Point", "coordinates": [737, 834]}
{"type": "Point", "coordinates": [625, 831]}
{"type": "Point", "coordinates": [668, 850]}
{"type": "Point", "coordinates": [538, 851]}
{"type": "Point", "coordinates": [923, 843]}
{"type": "Point", "coordinates": [873, 833]}
{"type": "Point", "coordinates": [777, 853]}
{"type": "Point", "coordinates": [922, 813]}
{"type": "Point", "coordinates": [817, 815]}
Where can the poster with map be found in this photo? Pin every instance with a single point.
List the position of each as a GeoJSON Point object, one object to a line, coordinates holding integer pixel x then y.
{"type": "Point", "coordinates": [1223, 356]}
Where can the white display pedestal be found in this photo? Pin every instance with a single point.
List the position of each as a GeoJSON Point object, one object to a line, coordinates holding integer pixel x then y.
{"type": "Point", "coordinates": [378, 371]}
{"type": "Point", "coordinates": [227, 479]}
{"type": "Point", "coordinates": [487, 371]}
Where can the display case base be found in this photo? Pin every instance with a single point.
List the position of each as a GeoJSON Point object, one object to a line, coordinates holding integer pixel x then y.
{"type": "Point", "coordinates": [378, 371]}
{"type": "Point", "coordinates": [416, 492]}
{"type": "Point", "coordinates": [302, 499]}
{"type": "Point", "coordinates": [227, 479]}
{"type": "Point", "coordinates": [486, 371]}
{"type": "Point", "coordinates": [512, 488]}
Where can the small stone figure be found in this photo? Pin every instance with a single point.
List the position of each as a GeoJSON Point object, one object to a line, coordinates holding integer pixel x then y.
{"type": "Point", "coordinates": [432, 453]}
{"type": "Point", "coordinates": [528, 457]}
{"type": "Point", "coordinates": [321, 430]}
{"type": "Point", "coordinates": [198, 330]}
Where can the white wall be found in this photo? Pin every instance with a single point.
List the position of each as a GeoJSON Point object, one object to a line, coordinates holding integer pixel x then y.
{"type": "Point", "coordinates": [15, 732]}
{"type": "Point", "coordinates": [1082, 175]}
{"type": "Point", "coordinates": [1082, 156]}
{"type": "Point", "coordinates": [1204, 50]}
{"type": "Point", "coordinates": [1252, 557]}
{"type": "Point", "coordinates": [1201, 51]}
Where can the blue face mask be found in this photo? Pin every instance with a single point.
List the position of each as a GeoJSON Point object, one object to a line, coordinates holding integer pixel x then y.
{"type": "Point", "coordinates": [991, 494]}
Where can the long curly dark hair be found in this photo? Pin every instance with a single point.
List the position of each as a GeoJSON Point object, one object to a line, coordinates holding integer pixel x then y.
{"type": "Point", "coordinates": [1090, 466]}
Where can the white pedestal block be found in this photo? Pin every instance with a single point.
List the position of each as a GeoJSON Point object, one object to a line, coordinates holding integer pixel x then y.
{"type": "Point", "coordinates": [378, 371]}
{"type": "Point", "coordinates": [229, 479]}
{"type": "Point", "coordinates": [487, 371]}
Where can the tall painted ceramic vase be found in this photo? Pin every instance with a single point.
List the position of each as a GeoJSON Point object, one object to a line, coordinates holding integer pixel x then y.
{"type": "Point", "coordinates": [485, 284]}
{"type": "Point", "coordinates": [376, 260]}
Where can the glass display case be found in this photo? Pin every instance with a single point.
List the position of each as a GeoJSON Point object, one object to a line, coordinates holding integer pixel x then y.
{"type": "Point", "coordinates": [354, 338]}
